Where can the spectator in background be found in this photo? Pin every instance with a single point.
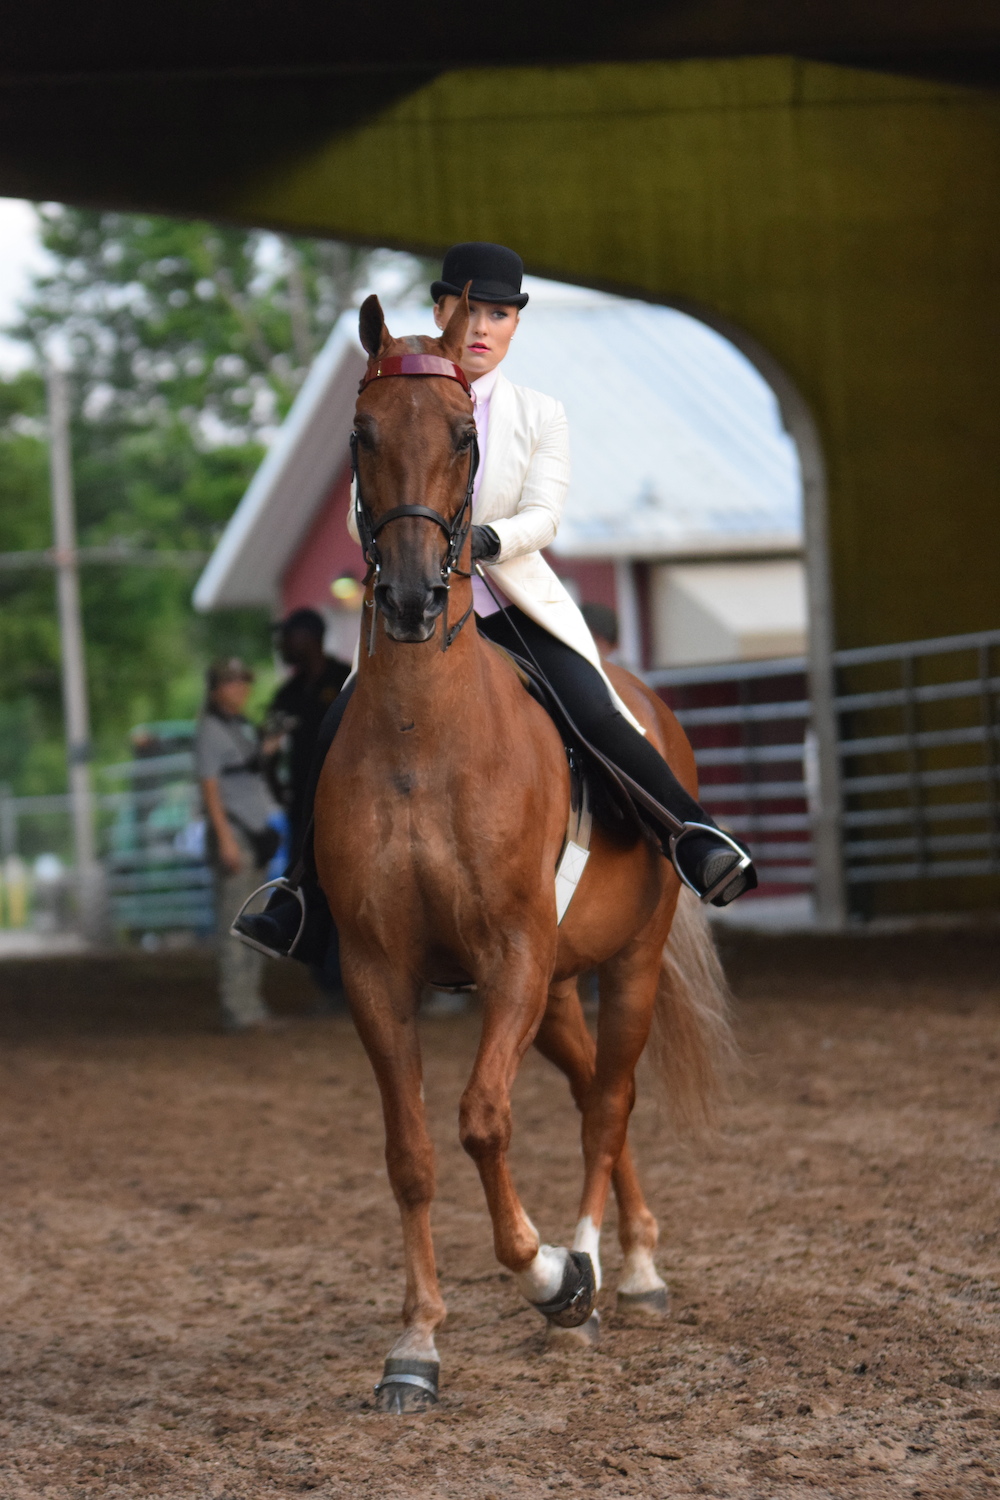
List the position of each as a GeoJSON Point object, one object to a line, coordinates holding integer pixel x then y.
{"type": "Point", "coordinates": [602, 622]}
{"type": "Point", "coordinates": [298, 706]}
{"type": "Point", "coordinates": [296, 712]}
{"type": "Point", "coordinates": [240, 837]}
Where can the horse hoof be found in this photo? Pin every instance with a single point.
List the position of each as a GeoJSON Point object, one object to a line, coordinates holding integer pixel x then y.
{"type": "Point", "coordinates": [407, 1385]}
{"type": "Point", "coordinates": [653, 1305]}
{"type": "Point", "coordinates": [583, 1336]}
{"type": "Point", "coordinates": [574, 1301]}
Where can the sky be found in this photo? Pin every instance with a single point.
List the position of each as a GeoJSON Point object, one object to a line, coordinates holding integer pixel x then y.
{"type": "Point", "coordinates": [20, 255]}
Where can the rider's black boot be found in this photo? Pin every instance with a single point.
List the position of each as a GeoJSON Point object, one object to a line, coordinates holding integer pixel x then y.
{"type": "Point", "coordinates": [274, 930]}
{"type": "Point", "coordinates": [708, 863]}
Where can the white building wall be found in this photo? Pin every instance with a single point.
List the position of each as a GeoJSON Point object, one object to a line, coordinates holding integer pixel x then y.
{"type": "Point", "coordinates": [734, 611]}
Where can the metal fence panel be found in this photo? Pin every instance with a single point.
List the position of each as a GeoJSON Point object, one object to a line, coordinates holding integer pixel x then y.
{"type": "Point", "coordinates": [913, 750]}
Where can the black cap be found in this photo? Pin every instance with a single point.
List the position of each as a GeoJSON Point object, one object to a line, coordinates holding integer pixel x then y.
{"type": "Point", "coordinates": [495, 273]}
{"type": "Point", "coordinates": [227, 669]}
{"type": "Point", "coordinates": [304, 619]}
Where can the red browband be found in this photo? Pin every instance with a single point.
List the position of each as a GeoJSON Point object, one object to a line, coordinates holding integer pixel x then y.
{"type": "Point", "coordinates": [416, 364]}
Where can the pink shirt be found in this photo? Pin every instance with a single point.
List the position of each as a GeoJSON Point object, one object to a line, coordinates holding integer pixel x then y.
{"type": "Point", "coordinates": [482, 390]}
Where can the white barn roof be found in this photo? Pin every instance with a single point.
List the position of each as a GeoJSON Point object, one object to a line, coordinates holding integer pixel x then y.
{"type": "Point", "coordinates": [677, 443]}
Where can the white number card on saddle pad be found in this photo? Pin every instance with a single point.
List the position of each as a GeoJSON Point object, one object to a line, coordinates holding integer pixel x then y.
{"type": "Point", "coordinates": [576, 852]}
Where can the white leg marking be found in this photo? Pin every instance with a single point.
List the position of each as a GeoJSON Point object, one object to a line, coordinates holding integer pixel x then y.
{"type": "Point", "coordinates": [588, 1238]}
{"type": "Point", "coordinates": [414, 1344]}
{"type": "Point", "coordinates": [639, 1273]}
{"type": "Point", "coordinates": [540, 1281]}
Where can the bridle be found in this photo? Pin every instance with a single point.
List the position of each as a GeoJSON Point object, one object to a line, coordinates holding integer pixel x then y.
{"type": "Point", "coordinates": [456, 530]}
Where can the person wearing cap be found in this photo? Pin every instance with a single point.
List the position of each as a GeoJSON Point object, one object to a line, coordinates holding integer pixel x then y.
{"type": "Point", "coordinates": [518, 496]}
{"type": "Point", "coordinates": [298, 707]}
{"type": "Point", "coordinates": [240, 837]}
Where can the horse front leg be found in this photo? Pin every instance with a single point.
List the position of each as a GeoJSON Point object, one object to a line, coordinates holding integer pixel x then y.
{"type": "Point", "coordinates": [560, 1283]}
{"type": "Point", "coordinates": [564, 1039]}
{"type": "Point", "coordinates": [384, 1006]}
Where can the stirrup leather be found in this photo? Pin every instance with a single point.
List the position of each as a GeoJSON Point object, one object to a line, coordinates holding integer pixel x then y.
{"type": "Point", "coordinates": [720, 885]}
{"type": "Point", "coordinates": [281, 884]}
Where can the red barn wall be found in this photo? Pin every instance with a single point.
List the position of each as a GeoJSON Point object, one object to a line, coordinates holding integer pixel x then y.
{"type": "Point", "coordinates": [595, 579]}
{"type": "Point", "coordinates": [325, 553]}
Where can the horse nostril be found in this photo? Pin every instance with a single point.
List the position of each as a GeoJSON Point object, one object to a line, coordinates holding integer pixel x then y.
{"type": "Point", "coordinates": [410, 607]}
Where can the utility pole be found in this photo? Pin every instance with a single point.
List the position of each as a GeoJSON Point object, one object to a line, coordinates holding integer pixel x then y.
{"type": "Point", "coordinates": [74, 674]}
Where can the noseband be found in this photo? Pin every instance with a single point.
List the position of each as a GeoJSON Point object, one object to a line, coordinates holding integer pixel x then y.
{"type": "Point", "coordinates": [456, 530]}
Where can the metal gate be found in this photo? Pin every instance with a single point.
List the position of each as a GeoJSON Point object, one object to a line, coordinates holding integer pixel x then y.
{"type": "Point", "coordinates": [917, 749]}
{"type": "Point", "coordinates": [919, 736]}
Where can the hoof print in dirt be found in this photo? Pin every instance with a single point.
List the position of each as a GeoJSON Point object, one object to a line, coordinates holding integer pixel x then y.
{"type": "Point", "coordinates": [653, 1306]}
{"type": "Point", "coordinates": [574, 1301]}
{"type": "Point", "coordinates": [407, 1385]}
{"type": "Point", "coordinates": [584, 1336]}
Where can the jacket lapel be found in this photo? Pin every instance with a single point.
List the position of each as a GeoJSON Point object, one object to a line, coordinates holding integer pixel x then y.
{"type": "Point", "coordinates": [496, 468]}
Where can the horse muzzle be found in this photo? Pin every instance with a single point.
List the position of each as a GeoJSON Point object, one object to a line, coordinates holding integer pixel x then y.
{"type": "Point", "coordinates": [410, 611]}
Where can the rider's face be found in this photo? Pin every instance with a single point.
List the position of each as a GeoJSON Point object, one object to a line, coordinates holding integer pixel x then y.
{"type": "Point", "coordinates": [491, 328]}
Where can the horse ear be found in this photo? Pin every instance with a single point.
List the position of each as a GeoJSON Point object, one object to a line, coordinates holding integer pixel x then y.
{"type": "Point", "coordinates": [453, 338]}
{"type": "Point", "coordinates": [371, 326]}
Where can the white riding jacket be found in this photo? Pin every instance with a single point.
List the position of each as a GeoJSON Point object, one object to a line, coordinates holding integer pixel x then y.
{"type": "Point", "coordinates": [520, 494]}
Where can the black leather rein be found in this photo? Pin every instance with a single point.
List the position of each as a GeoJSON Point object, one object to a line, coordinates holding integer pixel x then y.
{"type": "Point", "coordinates": [456, 529]}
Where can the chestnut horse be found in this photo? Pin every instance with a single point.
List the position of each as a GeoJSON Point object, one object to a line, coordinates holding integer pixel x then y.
{"type": "Point", "coordinates": [440, 816]}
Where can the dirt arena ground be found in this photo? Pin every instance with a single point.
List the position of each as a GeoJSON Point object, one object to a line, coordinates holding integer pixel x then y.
{"type": "Point", "coordinates": [200, 1264]}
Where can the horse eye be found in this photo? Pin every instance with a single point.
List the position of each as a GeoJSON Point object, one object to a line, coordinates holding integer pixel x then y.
{"type": "Point", "coordinates": [464, 440]}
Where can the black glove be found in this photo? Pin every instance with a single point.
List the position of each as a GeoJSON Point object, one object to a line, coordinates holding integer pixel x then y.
{"type": "Point", "coordinates": [485, 543]}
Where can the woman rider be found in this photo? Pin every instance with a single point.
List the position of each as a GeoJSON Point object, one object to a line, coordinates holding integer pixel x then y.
{"type": "Point", "coordinates": [519, 492]}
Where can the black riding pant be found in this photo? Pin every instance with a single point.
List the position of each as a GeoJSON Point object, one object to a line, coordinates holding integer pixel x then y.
{"type": "Point", "coordinates": [583, 692]}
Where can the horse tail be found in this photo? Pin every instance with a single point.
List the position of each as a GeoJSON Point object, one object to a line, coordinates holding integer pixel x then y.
{"type": "Point", "coordinates": [691, 1042]}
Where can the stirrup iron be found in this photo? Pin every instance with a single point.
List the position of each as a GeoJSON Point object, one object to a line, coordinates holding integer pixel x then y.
{"type": "Point", "coordinates": [720, 885]}
{"type": "Point", "coordinates": [281, 884]}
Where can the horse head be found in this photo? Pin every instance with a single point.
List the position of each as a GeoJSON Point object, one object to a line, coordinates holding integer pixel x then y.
{"type": "Point", "coordinates": [414, 443]}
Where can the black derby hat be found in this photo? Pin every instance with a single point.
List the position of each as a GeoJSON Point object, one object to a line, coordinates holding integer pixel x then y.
{"type": "Point", "coordinates": [495, 273]}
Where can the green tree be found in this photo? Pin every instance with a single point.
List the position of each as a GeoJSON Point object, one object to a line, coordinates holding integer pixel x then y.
{"type": "Point", "coordinates": [186, 344]}
{"type": "Point", "coordinates": [30, 702]}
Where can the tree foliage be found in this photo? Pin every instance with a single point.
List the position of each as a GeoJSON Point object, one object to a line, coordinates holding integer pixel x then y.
{"type": "Point", "coordinates": [186, 344]}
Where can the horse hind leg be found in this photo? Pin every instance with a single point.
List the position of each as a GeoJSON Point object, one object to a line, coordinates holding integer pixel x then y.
{"type": "Point", "coordinates": [410, 1377]}
{"type": "Point", "coordinates": [641, 1290]}
{"type": "Point", "coordinates": [561, 1284]}
{"type": "Point", "coordinates": [691, 1049]}
{"type": "Point", "coordinates": [563, 1038]}
{"type": "Point", "coordinates": [628, 991]}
